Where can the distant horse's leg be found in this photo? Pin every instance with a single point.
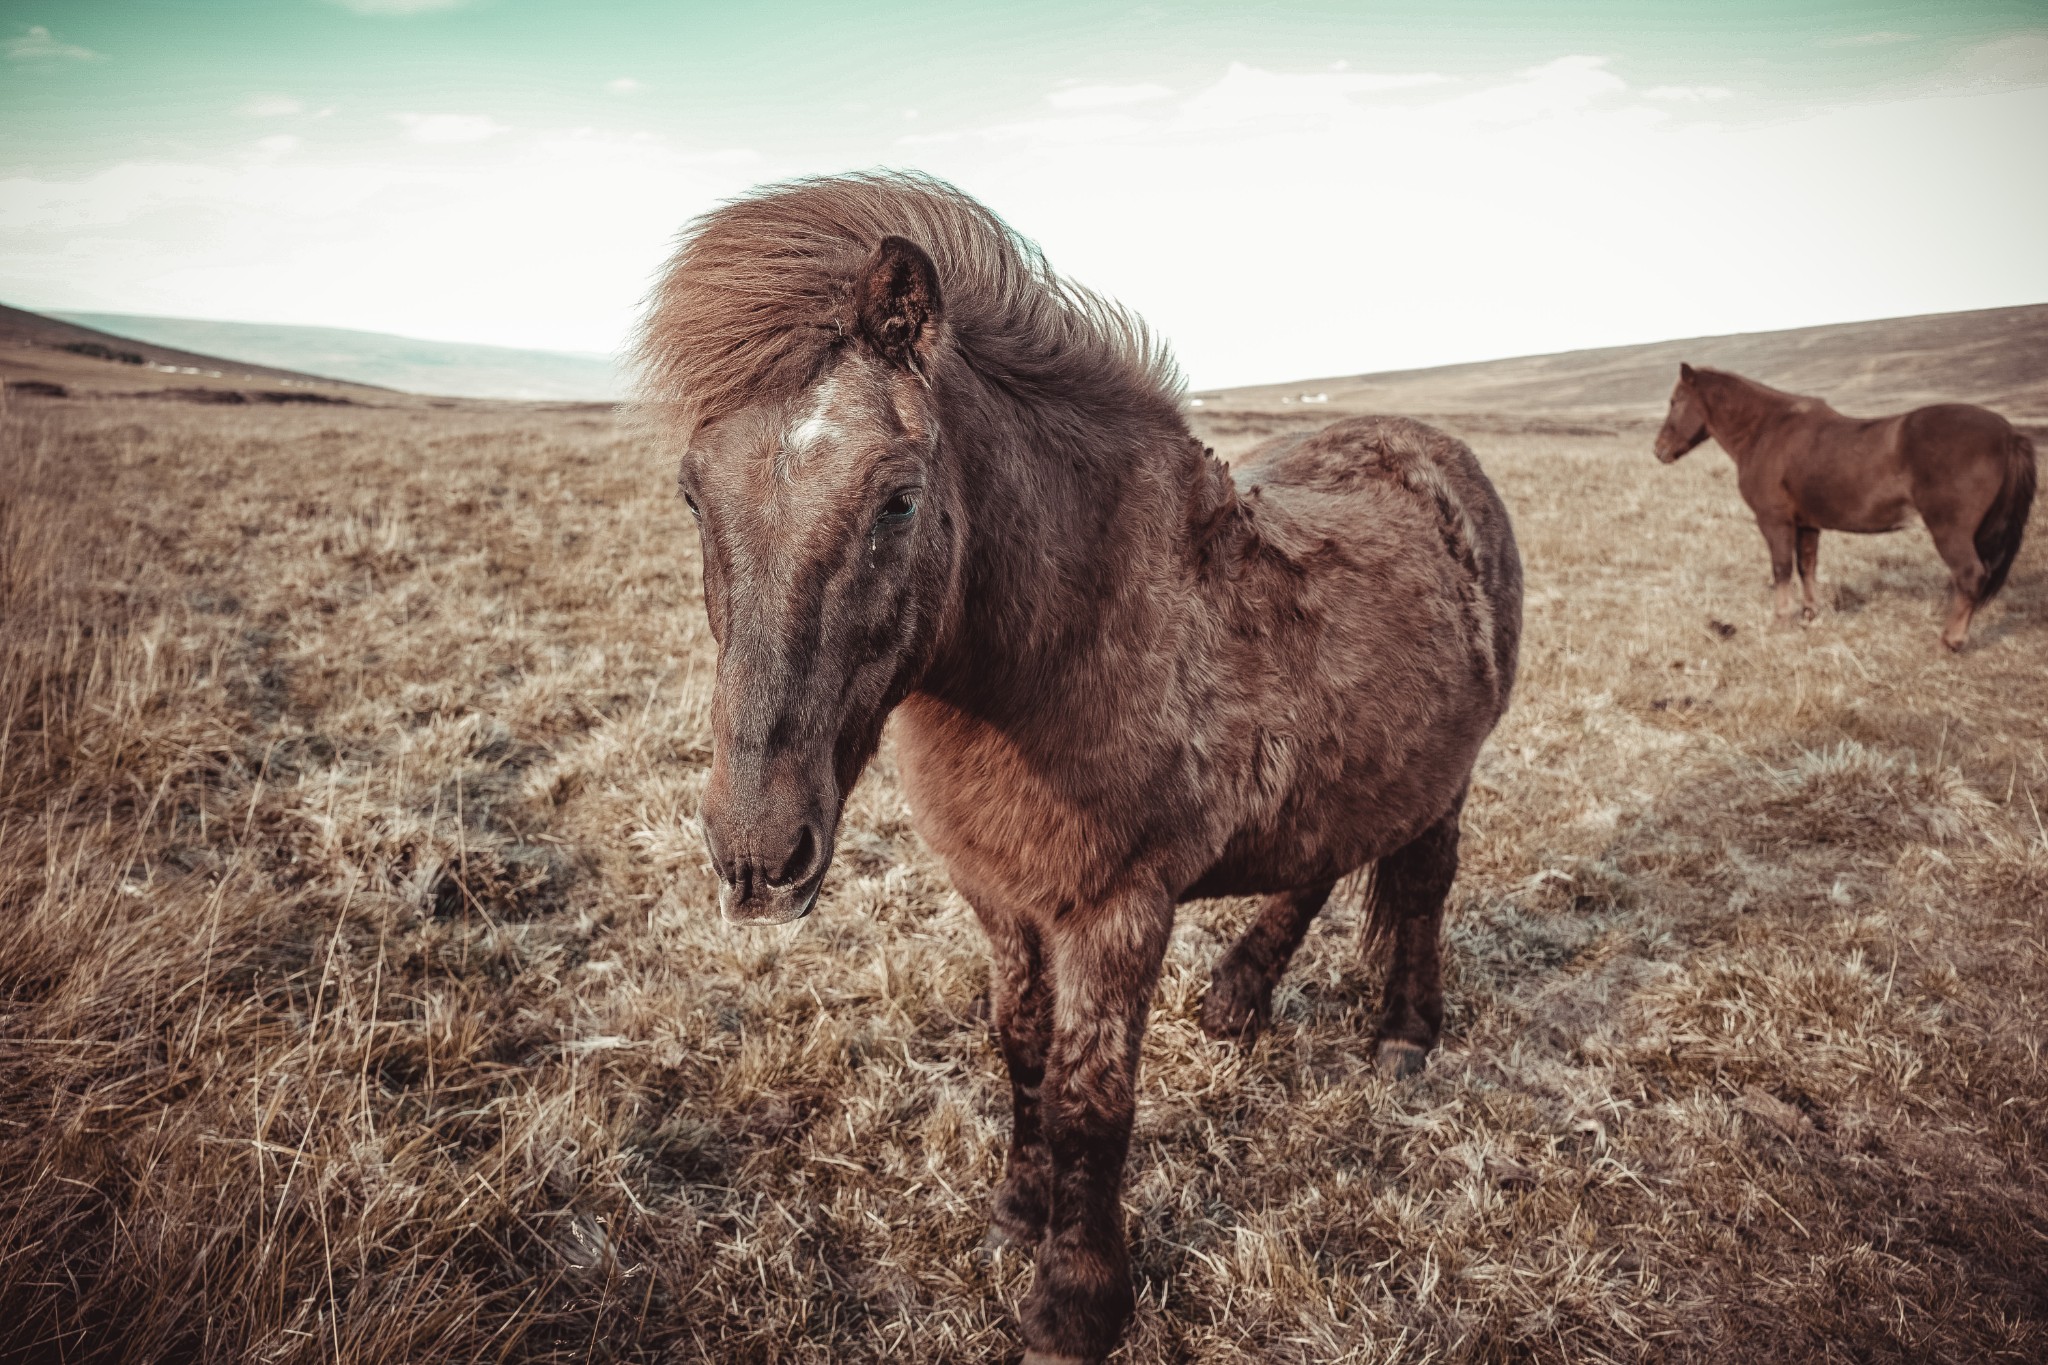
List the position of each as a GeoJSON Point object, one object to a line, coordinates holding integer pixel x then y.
{"type": "Point", "coordinates": [1967, 576]}
{"type": "Point", "coordinates": [1783, 539]}
{"type": "Point", "coordinates": [1408, 890]}
{"type": "Point", "coordinates": [1105, 962]}
{"type": "Point", "coordinates": [1021, 1009]}
{"type": "Point", "coordinates": [1809, 566]}
{"type": "Point", "coordinates": [1240, 999]}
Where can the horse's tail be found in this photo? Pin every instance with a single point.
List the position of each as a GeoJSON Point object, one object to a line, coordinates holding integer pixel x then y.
{"type": "Point", "coordinates": [1998, 535]}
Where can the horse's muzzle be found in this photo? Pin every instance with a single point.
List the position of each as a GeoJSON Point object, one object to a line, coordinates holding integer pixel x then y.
{"type": "Point", "coordinates": [766, 904]}
{"type": "Point", "coordinates": [777, 890]}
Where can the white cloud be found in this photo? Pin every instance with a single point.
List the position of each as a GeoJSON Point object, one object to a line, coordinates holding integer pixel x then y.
{"type": "Point", "coordinates": [37, 44]}
{"type": "Point", "coordinates": [1688, 94]}
{"type": "Point", "coordinates": [382, 7]}
{"type": "Point", "coordinates": [1884, 37]}
{"type": "Point", "coordinates": [624, 85]}
{"type": "Point", "coordinates": [445, 128]}
{"type": "Point", "coordinates": [279, 144]}
{"type": "Point", "coordinates": [270, 106]}
{"type": "Point", "coordinates": [1565, 87]}
{"type": "Point", "coordinates": [2018, 59]}
{"type": "Point", "coordinates": [1285, 225]}
{"type": "Point", "coordinates": [1273, 225]}
{"type": "Point", "coordinates": [1105, 96]}
{"type": "Point", "coordinates": [1247, 95]}
{"type": "Point", "coordinates": [527, 240]}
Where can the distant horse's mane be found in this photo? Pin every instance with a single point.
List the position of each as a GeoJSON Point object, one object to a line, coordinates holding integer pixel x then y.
{"type": "Point", "coordinates": [1745, 382]}
{"type": "Point", "coordinates": [759, 292]}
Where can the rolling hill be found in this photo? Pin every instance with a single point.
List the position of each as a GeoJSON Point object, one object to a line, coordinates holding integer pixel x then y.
{"type": "Point", "coordinates": [457, 369]}
{"type": "Point", "coordinates": [1997, 357]}
{"type": "Point", "coordinates": [48, 356]}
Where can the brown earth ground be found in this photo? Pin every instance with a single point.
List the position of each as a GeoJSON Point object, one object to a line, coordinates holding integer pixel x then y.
{"type": "Point", "coordinates": [362, 996]}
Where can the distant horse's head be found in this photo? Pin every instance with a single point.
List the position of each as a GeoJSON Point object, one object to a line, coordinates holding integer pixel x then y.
{"type": "Point", "coordinates": [831, 536]}
{"type": "Point", "coordinates": [1685, 424]}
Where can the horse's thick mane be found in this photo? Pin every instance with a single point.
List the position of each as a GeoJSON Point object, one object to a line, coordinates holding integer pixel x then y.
{"type": "Point", "coordinates": [758, 293]}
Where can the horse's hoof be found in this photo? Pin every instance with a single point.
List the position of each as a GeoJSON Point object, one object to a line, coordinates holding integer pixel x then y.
{"type": "Point", "coordinates": [1399, 1059]}
{"type": "Point", "coordinates": [1232, 1012]}
{"type": "Point", "coordinates": [1003, 1236]}
{"type": "Point", "coordinates": [991, 1248]}
{"type": "Point", "coordinates": [1042, 1358]}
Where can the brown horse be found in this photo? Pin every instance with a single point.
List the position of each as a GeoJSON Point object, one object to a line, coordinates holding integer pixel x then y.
{"type": "Point", "coordinates": [1803, 468]}
{"type": "Point", "coordinates": [932, 478]}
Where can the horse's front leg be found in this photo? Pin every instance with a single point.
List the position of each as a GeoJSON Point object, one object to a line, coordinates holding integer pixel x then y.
{"type": "Point", "coordinates": [1020, 1002]}
{"type": "Point", "coordinates": [1105, 963]}
{"type": "Point", "coordinates": [1783, 539]}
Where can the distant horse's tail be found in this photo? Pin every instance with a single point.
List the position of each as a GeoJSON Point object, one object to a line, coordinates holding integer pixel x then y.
{"type": "Point", "coordinates": [1998, 535]}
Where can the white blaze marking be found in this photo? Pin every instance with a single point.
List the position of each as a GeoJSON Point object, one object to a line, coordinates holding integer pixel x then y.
{"type": "Point", "coordinates": [814, 426]}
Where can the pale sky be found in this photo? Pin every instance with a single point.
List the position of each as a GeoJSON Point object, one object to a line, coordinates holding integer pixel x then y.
{"type": "Point", "coordinates": [1284, 190]}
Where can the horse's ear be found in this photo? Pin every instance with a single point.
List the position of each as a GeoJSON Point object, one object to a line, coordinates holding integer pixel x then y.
{"type": "Point", "coordinates": [896, 304]}
{"type": "Point", "coordinates": [1685, 372]}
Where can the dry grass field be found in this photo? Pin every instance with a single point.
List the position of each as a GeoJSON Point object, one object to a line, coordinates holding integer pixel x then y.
{"type": "Point", "coordinates": [362, 996]}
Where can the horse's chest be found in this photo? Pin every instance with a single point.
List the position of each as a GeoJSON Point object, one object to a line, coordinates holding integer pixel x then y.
{"type": "Point", "coordinates": [1012, 824]}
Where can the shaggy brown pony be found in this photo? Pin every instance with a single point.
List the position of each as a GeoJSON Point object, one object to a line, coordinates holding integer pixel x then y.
{"type": "Point", "coordinates": [933, 479]}
{"type": "Point", "coordinates": [1804, 468]}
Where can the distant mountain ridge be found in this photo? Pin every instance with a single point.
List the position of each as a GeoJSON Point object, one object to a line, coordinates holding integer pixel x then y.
{"type": "Point", "coordinates": [412, 364]}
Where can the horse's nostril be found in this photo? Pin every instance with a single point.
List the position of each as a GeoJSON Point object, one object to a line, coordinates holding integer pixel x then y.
{"type": "Point", "coordinates": [715, 848]}
{"type": "Point", "coordinates": [801, 859]}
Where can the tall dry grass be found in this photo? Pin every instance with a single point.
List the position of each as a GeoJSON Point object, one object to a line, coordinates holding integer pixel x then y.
{"type": "Point", "coordinates": [361, 996]}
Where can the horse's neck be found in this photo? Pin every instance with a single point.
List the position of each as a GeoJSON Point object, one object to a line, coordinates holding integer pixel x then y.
{"type": "Point", "coordinates": [1074, 515]}
{"type": "Point", "coordinates": [1737, 409]}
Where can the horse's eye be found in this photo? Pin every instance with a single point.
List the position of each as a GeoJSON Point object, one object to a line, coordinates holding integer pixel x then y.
{"type": "Point", "coordinates": [692, 504]}
{"type": "Point", "coordinates": [897, 510]}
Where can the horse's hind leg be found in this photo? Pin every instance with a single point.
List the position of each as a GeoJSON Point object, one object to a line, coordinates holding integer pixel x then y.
{"type": "Point", "coordinates": [1240, 999]}
{"type": "Point", "coordinates": [1809, 566]}
{"type": "Point", "coordinates": [1408, 891]}
{"type": "Point", "coordinates": [1967, 576]}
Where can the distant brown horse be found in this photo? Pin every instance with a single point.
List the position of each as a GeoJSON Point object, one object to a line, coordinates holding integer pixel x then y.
{"type": "Point", "coordinates": [1804, 468]}
{"type": "Point", "coordinates": [932, 478]}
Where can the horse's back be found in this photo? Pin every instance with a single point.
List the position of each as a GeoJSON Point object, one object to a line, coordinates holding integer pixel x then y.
{"type": "Point", "coordinates": [1397, 489]}
{"type": "Point", "coordinates": [1956, 430]}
